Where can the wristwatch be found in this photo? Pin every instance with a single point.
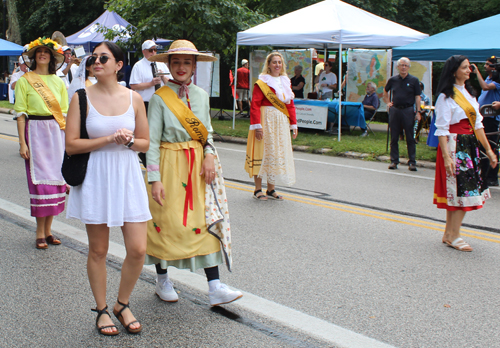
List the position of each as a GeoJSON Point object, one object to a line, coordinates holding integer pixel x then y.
{"type": "Point", "coordinates": [130, 143]}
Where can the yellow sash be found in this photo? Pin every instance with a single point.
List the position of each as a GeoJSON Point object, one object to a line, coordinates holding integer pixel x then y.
{"type": "Point", "coordinates": [460, 99]}
{"type": "Point", "coordinates": [272, 97]}
{"type": "Point", "coordinates": [186, 117]}
{"type": "Point", "coordinates": [47, 96]}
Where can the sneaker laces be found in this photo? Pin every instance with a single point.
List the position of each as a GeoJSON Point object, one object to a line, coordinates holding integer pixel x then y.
{"type": "Point", "coordinates": [167, 283]}
{"type": "Point", "coordinates": [223, 287]}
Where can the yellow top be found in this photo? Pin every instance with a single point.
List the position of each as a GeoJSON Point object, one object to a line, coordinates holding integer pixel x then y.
{"type": "Point", "coordinates": [29, 102]}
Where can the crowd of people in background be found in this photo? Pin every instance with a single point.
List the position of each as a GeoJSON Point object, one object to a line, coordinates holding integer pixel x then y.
{"type": "Point", "coordinates": [166, 119]}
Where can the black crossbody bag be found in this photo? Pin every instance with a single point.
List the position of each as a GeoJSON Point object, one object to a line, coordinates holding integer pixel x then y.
{"type": "Point", "coordinates": [74, 167]}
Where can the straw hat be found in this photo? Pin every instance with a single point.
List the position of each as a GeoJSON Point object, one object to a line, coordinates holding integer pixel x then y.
{"type": "Point", "coordinates": [182, 47]}
{"type": "Point", "coordinates": [54, 47]}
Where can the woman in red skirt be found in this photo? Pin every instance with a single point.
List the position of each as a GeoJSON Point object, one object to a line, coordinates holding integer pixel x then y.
{"type": "Point", "coordinates": [458, 186]}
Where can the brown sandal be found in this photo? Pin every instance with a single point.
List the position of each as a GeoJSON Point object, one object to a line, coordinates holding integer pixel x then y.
{"type": "Point", "coordinates": [41, 243]}
{"type": "Point", "coordinates": [53, 240]}
{"type": "Point", "coordinates": [119, 316]}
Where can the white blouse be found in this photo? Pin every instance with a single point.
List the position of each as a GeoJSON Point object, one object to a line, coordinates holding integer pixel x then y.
{"type": "Point", "coordinates": [448, 112]}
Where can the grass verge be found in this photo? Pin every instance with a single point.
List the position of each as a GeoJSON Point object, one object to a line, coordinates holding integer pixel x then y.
{"type": "Point", "coordinates": [6, 104]}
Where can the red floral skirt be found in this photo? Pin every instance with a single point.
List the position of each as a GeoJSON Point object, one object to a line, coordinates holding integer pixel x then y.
{"type": "Point", "coordinates": [465, 189]}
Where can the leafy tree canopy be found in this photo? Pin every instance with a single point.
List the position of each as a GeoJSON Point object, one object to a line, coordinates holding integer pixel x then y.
{"type": "Point", "coordinates": [209, 24]}
{"type": "Point", "coordinates": [43, 17]}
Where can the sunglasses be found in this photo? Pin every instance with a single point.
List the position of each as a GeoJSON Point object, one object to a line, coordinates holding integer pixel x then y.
{"type": "Point", "coordinates": [102, 59]}
{"type": "Point", "coordinates": [151, 50]}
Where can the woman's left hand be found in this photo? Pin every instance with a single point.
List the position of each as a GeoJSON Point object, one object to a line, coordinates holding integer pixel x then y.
{"type": "Point", "coordinates": [295, 132]}
{"type": "Point", "coordinates": [208, 168]}
{"type": "Point", "coordinates": [492, 157]}
{"type": "Point", "coordinates": [123, 136]}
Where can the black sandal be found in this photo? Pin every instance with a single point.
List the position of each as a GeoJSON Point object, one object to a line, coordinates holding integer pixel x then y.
{"type": "Point", "coordinates": [100, 328]}
{"type": "Point", "coordinates": [262, 197]}
{"type": "Point", "coordinates": [270, 195]}
{"type": "Point", "coordinates": [119, 316]}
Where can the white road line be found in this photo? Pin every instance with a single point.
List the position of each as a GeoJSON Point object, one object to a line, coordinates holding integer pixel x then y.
{"type": "Point", "coordinates": [307, 324]}
{"type": "Point", "coordinates": [345, 166]}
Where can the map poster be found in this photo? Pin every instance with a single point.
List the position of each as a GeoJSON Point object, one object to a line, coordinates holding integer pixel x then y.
{"type": "Point", "coordinates": [422, 70]}
{"type": "Point", "coordinates": [292, 59]}
{"type": "Point", "coordinates": [365, 66]}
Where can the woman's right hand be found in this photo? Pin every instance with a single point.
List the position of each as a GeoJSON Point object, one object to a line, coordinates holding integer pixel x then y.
{"type": "Point", "coordinates": [158, 192]}
{"type": "Point", "coordinates": [449, 165]}
{"type": "Point", "coordinates": [259, 134]}
{"type": "Point", "coordinates": [24, 151]}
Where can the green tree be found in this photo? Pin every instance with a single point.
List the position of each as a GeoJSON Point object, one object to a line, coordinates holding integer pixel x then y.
{"type": "Point", "coordinates": [43, 17]}
{"type": "Point", "coordinates": [209, 24]}
{"type": "Point", "coordinates": [13, 31]}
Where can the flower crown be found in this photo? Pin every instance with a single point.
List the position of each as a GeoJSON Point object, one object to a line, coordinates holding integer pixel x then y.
{"type": "Point", "coordinates": [45, 41]}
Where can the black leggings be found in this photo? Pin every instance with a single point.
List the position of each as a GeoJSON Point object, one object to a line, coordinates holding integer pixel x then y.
{"type": "Point", "coordinates": [212, 273]}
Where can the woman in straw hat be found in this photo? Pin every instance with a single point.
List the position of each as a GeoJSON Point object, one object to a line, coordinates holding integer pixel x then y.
{"type": "Point", "coordinates": [272, 115]}
{"type": "Point", "coordinates": [41, 104]}
{"type": "Point", "coordinates": [190, 226]}
{"type": "Point", "coordinates": [113, 193]}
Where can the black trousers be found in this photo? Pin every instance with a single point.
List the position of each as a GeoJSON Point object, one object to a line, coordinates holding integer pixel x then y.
{"type": "Point", "coordinates": [488, 174]}
{"type": "Point", "coordinates": [402, 118]}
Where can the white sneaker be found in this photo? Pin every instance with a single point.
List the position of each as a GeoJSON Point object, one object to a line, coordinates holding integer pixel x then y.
{"type": "Point", "coordinates": [165, 290]}
{"type": "Point", "coordinates": [223, 295]}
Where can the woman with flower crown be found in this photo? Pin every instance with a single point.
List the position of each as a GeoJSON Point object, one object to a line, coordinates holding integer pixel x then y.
{"type": "Point", "coordinates": [41, 106]}
{"type": "Point", "coordinates": [190, 226]}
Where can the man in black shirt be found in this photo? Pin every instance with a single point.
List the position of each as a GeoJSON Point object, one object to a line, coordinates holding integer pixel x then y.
{"type": "Point", "coordinates": [406, 91]}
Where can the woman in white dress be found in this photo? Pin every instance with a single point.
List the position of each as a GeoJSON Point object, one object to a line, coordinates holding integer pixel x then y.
{"type": "Point", "coordinates": [113, 192]}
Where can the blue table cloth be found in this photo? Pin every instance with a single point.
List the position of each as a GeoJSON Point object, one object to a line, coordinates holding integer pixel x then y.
{"type": "Point", "coordinates": [353, 113]}
{"type": "Point", "coordinates": [4, 91]}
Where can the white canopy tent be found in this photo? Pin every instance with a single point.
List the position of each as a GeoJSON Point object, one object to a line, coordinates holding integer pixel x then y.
{"type": "Point", "coordinates": [326, 25]}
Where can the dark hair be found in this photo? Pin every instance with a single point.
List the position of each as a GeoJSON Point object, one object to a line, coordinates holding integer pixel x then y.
{"type": "Point", "coordinates": [117, 53]}
{"type": "Point", "coordinates": [447, 79]}
{"type": "Point", "coordinates": [492, 59]}
{"type": "Point", "coordinates": [330, 64]}
{"type": "Point", "coordinates": [52, 63]}
{"type": "Point", "coordinates": [87, 65]}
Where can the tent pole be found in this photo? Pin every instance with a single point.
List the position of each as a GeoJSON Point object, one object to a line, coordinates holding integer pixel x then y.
{"type": "Point", "coordinates": [235, 84]}
{"type": "Point", "coordinates": [339, 84]}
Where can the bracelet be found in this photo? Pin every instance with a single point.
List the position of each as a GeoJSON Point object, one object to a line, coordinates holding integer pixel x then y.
{"type": "Point", "coordinates": [130, 143]}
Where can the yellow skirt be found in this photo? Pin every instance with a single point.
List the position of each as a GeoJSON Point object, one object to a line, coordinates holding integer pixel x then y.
{"type": "Point", "coordinates": [272, 157]}
{"type": "Point", "coordinates": [178, 230]}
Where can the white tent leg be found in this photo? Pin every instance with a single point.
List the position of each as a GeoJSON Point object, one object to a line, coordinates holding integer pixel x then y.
{"type": "Point", "coordinates": [339, 84]}
{"type": "Point", "coordinates": [235, 84]}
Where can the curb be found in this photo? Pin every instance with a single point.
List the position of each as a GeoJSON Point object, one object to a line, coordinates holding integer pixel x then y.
{"type": "Point", "coordinates": [348, 154]}
{"type": "Point", "coordinates": [7, 111]}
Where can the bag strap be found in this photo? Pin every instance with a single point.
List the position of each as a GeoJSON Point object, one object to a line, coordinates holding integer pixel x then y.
{"type": "Point", "coordinates": [82, 98]}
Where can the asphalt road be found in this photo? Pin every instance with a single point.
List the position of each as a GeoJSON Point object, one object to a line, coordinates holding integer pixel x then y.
{"type": "Point", "coordinates": [352, 258]}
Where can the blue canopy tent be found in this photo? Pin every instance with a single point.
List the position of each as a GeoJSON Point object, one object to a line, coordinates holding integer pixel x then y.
{"type": "Point", "coordinates": [475, 40]}
{"type": "Point", "coordinates": [90, 36]}
{"type": "Point", "coordinates": [8, 48]}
